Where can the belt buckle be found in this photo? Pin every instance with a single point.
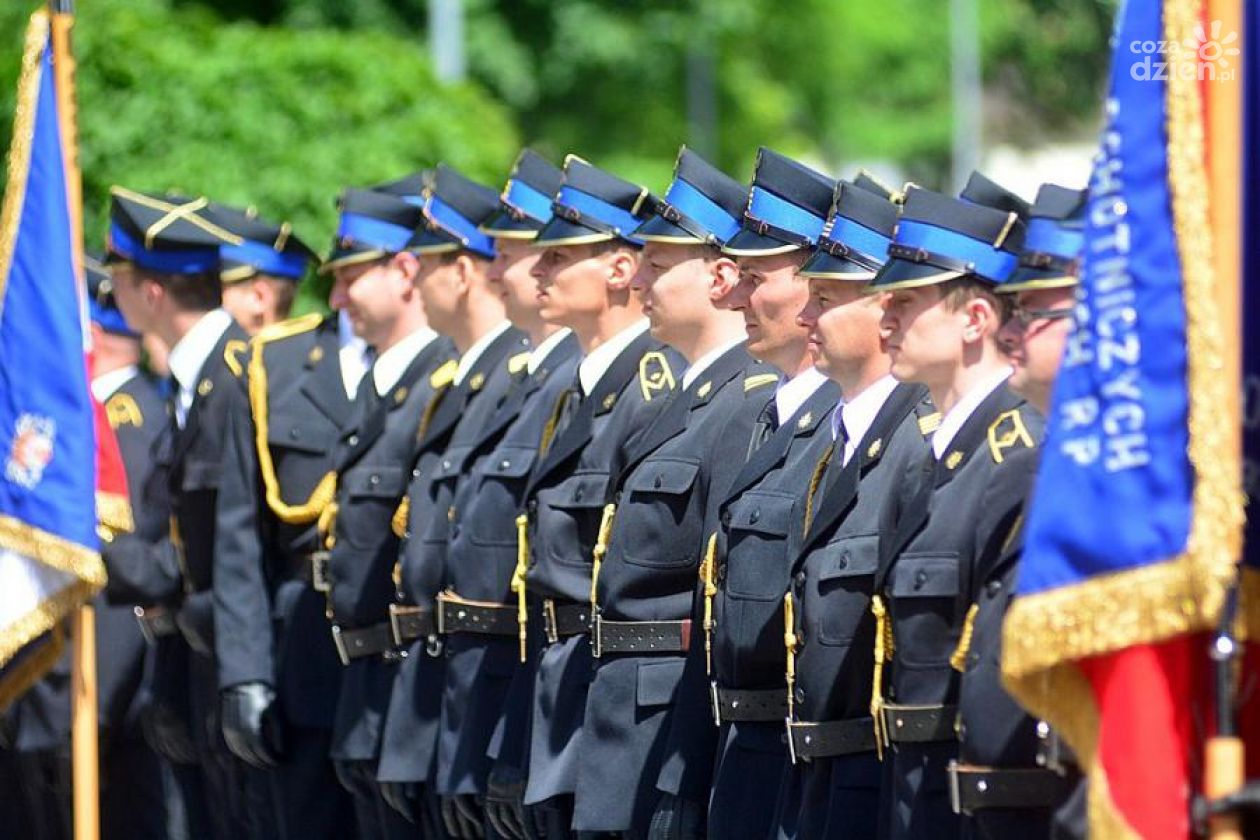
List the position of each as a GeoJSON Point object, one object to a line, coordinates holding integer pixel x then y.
{"type": "Point", "coordinates": [787, 727]}
{"type": "Point", "coordinates": [319, 571]}
{"type": "Point", "coordinates": [340, 644]}
{"type": "Point", "coordinates": [597, 636]}
{"type": "Point", "coordinates": [395, 628]}
{"type": "Point", "coordinates": [955, 796]}
{"type": "Point", "coordinates": [441, 614]}
{"type": "Point", "coordinates": [715, 698]}
{"type": "Point", "coordinates": [551, 624]}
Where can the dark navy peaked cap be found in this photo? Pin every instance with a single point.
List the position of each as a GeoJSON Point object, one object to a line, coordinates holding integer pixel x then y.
{"type": "Point", "coordinates": [859, 230]}
{"type": "Point", "coordinates": [265, 248]}
{"type": "Point", "coordinates": [372, 225]}
{"type": "Point", "coordinates": [988, 193]}
{"type": "Point", "coordinates": [170, 234]}
{"type": "Point", "coordinates": [102, 308]}
{"type": "Point", "coordinates": [454, 209]}
{"type": "Point", "coordinates": [786, 210]}
{"type": "Point", "coordinates": [870, 183]}
{"type": "Point", "coordinates": [525, 203]}
{"type": "Point", "coordinates": [703, 205]}
{"type": "Point", "coordinates": [595, 206]}
{"type": "Point", "coordinates": [1053, 243]}
{"type": "Point", "coordinates": [939, 238]}
{"type": "Point", "coordinates": [410, 188]}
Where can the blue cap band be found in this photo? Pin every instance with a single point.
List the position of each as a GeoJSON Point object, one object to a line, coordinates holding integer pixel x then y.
{"type": "Point", "coordinates": [983, 259]}
{"type": "Point", "coordinates": [767, 207]}
{"type": "Point", "coordinates": [189, 261]}
{"type": "Point", "coordinates": [610, 214]}
{"type": "Point", "coordinates": [1047, 236]}
{"type": "Point", "coordinates": [451, 221]}
{"type": "Point", "coordinates": [266, 259]}
{"type": "Point", "coordinates": [528, 200]}
{"type": "Point", "coordinates": [701, 209]}
{"type": "Point", "coordinates": [860, 238]}
{"type": "Point", "coordinates": [366, 230]}
{"type": "Point", "coordinates": [110, 320]}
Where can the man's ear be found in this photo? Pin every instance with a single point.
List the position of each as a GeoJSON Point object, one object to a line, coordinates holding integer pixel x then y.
{"type": "Point", "coordinates": [407, 264]}
{"type": "Point", "coordinates": [723, 278]}
{"type": "Point", "coordinates": [468, 272]}
{"type": "Point", "coordinates": [983, 320]}
{"type": "Point", "coordinates": [622, 264]}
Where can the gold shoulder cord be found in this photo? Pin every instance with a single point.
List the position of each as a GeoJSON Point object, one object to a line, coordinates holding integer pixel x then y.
{"type": "Point", "coordinates": [398, 522]}
{"type": "Point", "coordinates": [708, 577]}
{"type": "Point", "coordinates": [518, 579]}
{"type": "Point", "coordinates": [549, 430]}
{"type": "Point", "coordinates": [958, 660]}
{"type": "Point", "coordinates": [326, 490]}
{"type": "Point", "coordinates": [790, 643]}
{"type": "Point", "coordinates": [601, 548]}
{"type": "Point", "coordinates": [884, 647]}
{"type": "Point", "coordinates": [814, 481]}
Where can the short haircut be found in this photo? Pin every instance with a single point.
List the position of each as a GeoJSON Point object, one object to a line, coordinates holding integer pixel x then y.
{"type": "Point", "coordinates": [958, 291]}
{"type": "Point", "coordinates": [199, 292]}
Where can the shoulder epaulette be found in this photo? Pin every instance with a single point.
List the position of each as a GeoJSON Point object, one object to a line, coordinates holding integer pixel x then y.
{"type": "Point", "coordinates": [929, 423]}
{"type": "Point", "coordinates": [655, 375]}
{"type": "Point", "coordinates": [759, 380]}
{"type": "Point", "coordinates": [1007, 431]}
{"type": "Point", "coordinates": [284, 329]}
{"type": "Point", "coordinates": [234, 350]}
{"type": "Point", "coordinates": [518, 363]}
{"type": "Point", "coordinates": [123, 410]}
{"type": "Point", "coordinates": [444, 375]}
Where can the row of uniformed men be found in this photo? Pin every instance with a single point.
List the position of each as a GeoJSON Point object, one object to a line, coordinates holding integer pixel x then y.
{"type": "Point", "coordinates": [620, 468]}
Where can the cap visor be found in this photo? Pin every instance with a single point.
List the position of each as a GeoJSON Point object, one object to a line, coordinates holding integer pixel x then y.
{"type": "Point", "coordinates": [903, 274]}
{"type": "Point", "coordinates": [823, 264]}
{"type": "Point", "coordinates": [657, 229]}
{"type": "Point", "coordinates": [1029, 279]}
{"type": "Point", "coordinates": [503, 225]}
{"type": "Point", "coordinates": [563, 232]}
{"type": "Point", "coordinates": [342, 257]}
{"type": "Point", "coordinates": [749, 243]}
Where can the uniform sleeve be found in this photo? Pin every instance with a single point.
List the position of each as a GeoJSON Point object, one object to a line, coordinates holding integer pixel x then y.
{"type": "Point", "coordinates": [1000, 534]}
{"type": "Point", "coordinates": [141, 572]}
{"type": "Point", "coordinates": [242, 603]}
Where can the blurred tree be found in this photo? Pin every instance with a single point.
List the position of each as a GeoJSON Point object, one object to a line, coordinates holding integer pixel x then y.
{"type": "Point", "coordinates": [275, 117]}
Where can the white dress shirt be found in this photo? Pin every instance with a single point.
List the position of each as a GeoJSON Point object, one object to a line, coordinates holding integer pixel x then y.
{"type": "Point", "coordinates": [354, 355]}
{"type": "Point", "coordinates": [791, 394]}
{"type": "Point", "coordinates": [540, 353]}
{"type": "Point", "coordinates": [475, 352]}
{"type": "Point", "coordinates": [189, 355]}
{"type": "Point", "coordinates": [597, 362]}
{"type": "Point", "coordinates": [706, 361]}
{"type": "Point", "coordinates": [858, 414]}
{"type": "Point", "coordinates": [104, 386]}
{"type": "Point", "coordinates": [964, 408]}
{"type": "Point", "coordinates": [391, 364]}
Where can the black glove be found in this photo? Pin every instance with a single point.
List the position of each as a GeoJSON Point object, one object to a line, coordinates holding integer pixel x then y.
{"type": "Point", "coordinates": [248, 726]}
{"type": "Point", "coordinates": [505, 805]}
{"type": "Point", "coordinates": [677, 819]}
{"type": "Point", "coordinates": [462, 817]}
{"type": "Point", "coordinates": [168, 734]}
{"type": "Point", "coordinates": [401, 796]}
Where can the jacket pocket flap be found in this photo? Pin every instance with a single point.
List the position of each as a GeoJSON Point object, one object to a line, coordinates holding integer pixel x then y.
{"type": "Point", "coordinates": [658, 682]}
{"type": "Point", "coordinates": [588, 490]}
{"type": "Point", "coordinates": [763, 513]}
{"type": "Point", "coordinates": [851, 557]}
{"type": "Point", "coordinates": [511, 463]}
{"type": "Point", "coordinates": [663, 475]}
{"type": "Point", "coordinates": [932, 575]}
{"type": "Point", "coordinates": [380, 482]}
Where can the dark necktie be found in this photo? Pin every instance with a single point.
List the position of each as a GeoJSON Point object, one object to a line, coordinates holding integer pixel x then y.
{"type": "Point", "coordinates": [766, 425]}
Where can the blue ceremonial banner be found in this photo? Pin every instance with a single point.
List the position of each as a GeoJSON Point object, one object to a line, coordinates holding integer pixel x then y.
{"type": "Point", "coordinates": [49, 551]}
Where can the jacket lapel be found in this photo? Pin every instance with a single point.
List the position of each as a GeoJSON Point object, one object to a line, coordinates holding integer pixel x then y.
{"type": "Point", "coordinates": [323, 387]}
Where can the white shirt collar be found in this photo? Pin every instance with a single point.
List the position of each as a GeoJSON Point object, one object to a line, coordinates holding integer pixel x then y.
{"type": "Point", "coordinates": [957, 416]}
{"type": "Point", "coordinates": [858, 414]}
{"type": "Point", "coordinates": [597, 362]}
{"type": "Point", "coordinates": [104, 386]}
{"type": "Point", "coordinates": [474, 353]}
{"type": "Point", "coordinates": [706, 361]}
{"type": "Point", "coordinates": [791, 394]}
{"type": "Point", "coordinates": [354, 355]}
{"type": "Point", "coordinates": [391, 364]}
{"type": "Point", "coordinates": [540, 353]}
{"type": "Point", "coordinates": [189, 355]}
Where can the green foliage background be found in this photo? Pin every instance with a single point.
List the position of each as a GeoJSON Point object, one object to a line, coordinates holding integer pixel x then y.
{"type": "Point", "coordinates": [281, 103]}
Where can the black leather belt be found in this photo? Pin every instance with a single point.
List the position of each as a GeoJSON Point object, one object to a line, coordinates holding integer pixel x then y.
{"type": "Point", "coordinates": [765, 704]}
{"type": "Point", "coordinates": [155, 622]}
{"type": "Point", "coordinates": [830, 738]}
{"type": "Point", "coordinates": [641, 636]}
{"type": "Point", "coordinates": [561, 620]}
{"type": "Point", "coordinates": [314, 570]}
{"type": "Point", "coordinates": [456, 615]}
{"type": "Point", "coordinates": [406, 624]}
{"type": "Point", "coordinates": [973, 788]}
{"type": "Point", "coordinates": [919, 724]}
{"type": "Point", "coordinates": [377, 639]}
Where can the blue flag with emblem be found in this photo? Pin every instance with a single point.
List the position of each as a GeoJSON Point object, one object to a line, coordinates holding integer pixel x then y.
{"type": "Point", "coordinates": [49, 551]}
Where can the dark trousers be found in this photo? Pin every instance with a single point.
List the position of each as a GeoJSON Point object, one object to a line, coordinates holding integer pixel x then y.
{"type": "Point", "coordinates": [312, 804]}
{"type": "Point", "coordinates": [374, 819]}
